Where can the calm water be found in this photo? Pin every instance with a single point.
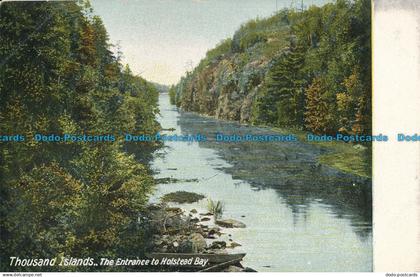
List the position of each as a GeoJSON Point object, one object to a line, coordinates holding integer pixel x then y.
{"type": "Point", "coordinates": [300, 216]}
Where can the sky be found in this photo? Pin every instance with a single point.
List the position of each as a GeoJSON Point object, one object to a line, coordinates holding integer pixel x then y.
{"type": "Point", "coordinates": [161, 39]}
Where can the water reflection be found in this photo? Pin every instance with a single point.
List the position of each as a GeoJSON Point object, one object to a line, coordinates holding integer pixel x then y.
{"type": "Point", "coordinates": [301, 216]}
{"type": "Point", "coordinates": [290, 168]}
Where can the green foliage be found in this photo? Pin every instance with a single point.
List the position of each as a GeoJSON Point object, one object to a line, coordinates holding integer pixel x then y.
{"type": "Point", "coordinates": [160, 87]}
{"type": "Point", "coordinates": [317, 118]}
{"type": "Point", "coordinates": [333, 46]}
{"type": "Point", "coordinates": [172, 95]}
{"type": "Point", "coordinates": [259, 31]}
{"type": "Point", "coordinates": [351, 161]}
{"type": "Point", "coordinates": [58, 75]}
{"type": "Point", "coordinates": [252, 39]}
{"type": "Point", "coordinates": [221, 49]}
{"type": "Point", "coordinates": [287, 65]}
{"type": "Point", "coordinates": [284, 94]}
{"type": "Point", "coordinates": [215, 207]}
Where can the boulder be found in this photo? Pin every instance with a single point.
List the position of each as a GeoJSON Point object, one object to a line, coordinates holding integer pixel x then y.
{"type": "Point", "coordinates": [206, 214]}
{"type": "Point", "coordinates": [217, 245]}
{"type": "Point", "coordinates": [198, 243]}
{"type": "Point", "coordinates": [214, 231]}
{"type": "Point", "coordinates": [185, 247]}
{"type": "Point", "coordinates": [154, 207]}
{"type": "Point", "coordinates": [194, 220]}
{"type": "Point", "coordinates": [233, 245]}
{"type": "Point", "coordinates": [173, 210]}
{"type": "Point", "coordinates": [204, 227]}
{"type": "Point", "coordinates": [193, 211]}
{"type": "Point", "coordinates": [230, 223]}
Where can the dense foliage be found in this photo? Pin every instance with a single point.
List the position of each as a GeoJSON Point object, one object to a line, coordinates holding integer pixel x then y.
{"type": "Point", "coordinates": [161, 88]}
{"type": "Point", "coordinates": [307, 69]}
{"type": "Point", "coordinates": [59, 76]}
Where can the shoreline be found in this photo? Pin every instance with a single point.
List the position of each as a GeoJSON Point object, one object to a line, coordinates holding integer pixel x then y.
{"type": "Point", "coordinates": [347, 157]}
{"type": "Point", "coordinates": [177, 231]}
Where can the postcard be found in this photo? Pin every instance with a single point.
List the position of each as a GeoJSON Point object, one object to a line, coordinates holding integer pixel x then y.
{"type": "Point", "coordinates": [192, 136]}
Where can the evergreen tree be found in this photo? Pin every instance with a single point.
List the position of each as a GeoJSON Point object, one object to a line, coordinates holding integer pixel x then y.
{"type": "Point", "coordinates": [317, 117]}
{"type": "Point", "coordinates": [283, 98]}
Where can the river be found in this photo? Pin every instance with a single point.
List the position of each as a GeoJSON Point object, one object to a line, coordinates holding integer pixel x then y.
{"type": "Point", "coordinates": [300, 215]}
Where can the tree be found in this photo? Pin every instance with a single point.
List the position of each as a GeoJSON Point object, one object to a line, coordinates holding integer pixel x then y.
{"type": "Point", "coordinates": [283, 99]}
{"type": "Point", "coordinates": [317, 118]}
{"type": "Point", "coordinates": [59, 76]}
{"type": "Point", "coordinates": [172, 95]}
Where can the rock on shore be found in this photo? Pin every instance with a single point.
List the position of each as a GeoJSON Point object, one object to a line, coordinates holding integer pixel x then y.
{"type": "Point", "coordinates": [230, 223]}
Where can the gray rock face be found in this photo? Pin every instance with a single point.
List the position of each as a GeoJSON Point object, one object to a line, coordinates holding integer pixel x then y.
{"type": "Point", "coordinates": [227, 88]}
{"type": "Point", "coordinates": [230, 223]}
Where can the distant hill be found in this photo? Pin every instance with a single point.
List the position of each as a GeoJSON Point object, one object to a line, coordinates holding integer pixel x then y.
{"type": "Point", "coordinates": [161, 88]}
{"type": "Point", "coordinates": [306, 69]}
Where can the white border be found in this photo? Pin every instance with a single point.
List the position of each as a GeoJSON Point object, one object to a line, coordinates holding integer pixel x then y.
{"type": "Point", "coordinates": [396, 109]}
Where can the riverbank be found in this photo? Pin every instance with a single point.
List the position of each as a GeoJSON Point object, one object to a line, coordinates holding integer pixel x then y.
{"type": "Point", "coordinates": [188, 233]}
{"type": "Point", "coordinates": [347, 157]}
{"type": "Point", "coordinates": [318, 216]}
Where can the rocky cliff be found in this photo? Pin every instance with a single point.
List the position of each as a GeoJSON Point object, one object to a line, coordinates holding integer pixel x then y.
{"type": "Point", "coordinates": [226, 83]}
{"type": "Point", "coordinates": [307, 69]}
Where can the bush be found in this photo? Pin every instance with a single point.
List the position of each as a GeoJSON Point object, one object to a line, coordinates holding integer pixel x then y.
{"type": "Point", "coordinates": [215, 207]}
